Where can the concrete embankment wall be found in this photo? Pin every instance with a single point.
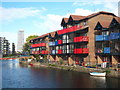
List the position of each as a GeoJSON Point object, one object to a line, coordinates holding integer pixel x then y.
{"type": "Point", "coordinates": [114, 74]}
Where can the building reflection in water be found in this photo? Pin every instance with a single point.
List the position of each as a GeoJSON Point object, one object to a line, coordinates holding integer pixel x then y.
{"type": "Point", "coordinates": [100, 80]}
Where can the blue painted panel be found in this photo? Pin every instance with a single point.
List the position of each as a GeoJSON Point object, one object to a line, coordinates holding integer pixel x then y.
{"type": "Point", "coordinates": [56, 42]}
{"type": "Point", "coordinates": [102, 37]}
{"type": "Point", "coordinates": [106, 49]}
{"type": "Point", "coordinates": [99, 37]}
{"type": "Point", "coordinates": [106, 37]}
{"type": "Point", "coordinates": [51, 43]}
{"type": "Point", "coordinates": [114, 36]}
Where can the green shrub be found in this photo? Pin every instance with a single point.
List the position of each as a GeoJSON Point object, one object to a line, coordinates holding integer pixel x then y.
{"type": "Point", "coordinates": [93, 66]}
{"type": "Point", "coordinates": [52, 65]}
{"type": "Point", "coordinates": [107, 71]}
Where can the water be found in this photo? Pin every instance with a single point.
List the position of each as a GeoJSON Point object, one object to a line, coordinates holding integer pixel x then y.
{"type": "Point", "coordinates": [16, 76]}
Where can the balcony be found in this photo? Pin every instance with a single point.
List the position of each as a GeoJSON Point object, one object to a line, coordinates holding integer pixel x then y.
{"type": "Point", "coordinates": [115, 51]}
{"type": "Point", "coordinates": [102, 37]}
{"type": "Point", "coordinates": [85, 50]}
{"type": "Point", "coordinates": [56, 42]}
{"type": "Point", "coordinates": [114, 36]}
{"type": "Point", "coordinates": [104, 50]}
{"type": "Point", "coordinates": [60, 42]}
{"type": "Point", "coordinates": [100, 50]}
{"type": "Point", "coordinates": [67, 30]}
{"type": "Point", "coordinates": [53, 52]}
{"type": "Point", "coordinates": [44, 52]}
{"type": "Point", "coordinates": [51, 43]}
{"type": "Point", "coordinates": [81, 51]}
{"type": "Point", "coordinates": [35, 52]}
{"type": "Point", "coordinates": [81, 39]}
{"type": "Point", "coordinates": [60, 51]}
{"type": "Point", "coordinates": [39, 45]}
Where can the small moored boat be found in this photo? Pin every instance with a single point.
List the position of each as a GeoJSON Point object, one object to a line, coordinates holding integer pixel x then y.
{"type": "Point", "coordinates": [98, 74]}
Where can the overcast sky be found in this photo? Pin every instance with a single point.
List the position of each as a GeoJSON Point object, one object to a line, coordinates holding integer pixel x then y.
{"type": "Point", "coordinates": [36, 17]}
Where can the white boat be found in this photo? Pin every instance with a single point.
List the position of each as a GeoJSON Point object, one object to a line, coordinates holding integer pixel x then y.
{"type": "Point", "coordinates": [98, 74]}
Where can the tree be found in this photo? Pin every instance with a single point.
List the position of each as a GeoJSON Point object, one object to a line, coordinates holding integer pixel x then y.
{"type": "Point", "coordinates": [26, 46]}
{"type": "Point", "coordinates": [30, 37]}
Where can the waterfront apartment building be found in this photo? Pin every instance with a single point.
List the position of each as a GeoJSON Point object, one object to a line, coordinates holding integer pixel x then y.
{"type": "Point", "coordinates": [84, 40]}
{"type": "Point", "coordinates": [4, 46]}
{"type": "Point", "coordinates": [20, 40]}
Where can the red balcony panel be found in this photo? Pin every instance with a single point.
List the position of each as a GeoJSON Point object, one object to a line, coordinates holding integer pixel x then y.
{"type": "Point", "coordinates": [60, 51]}
{"type": "Point", "coordinates": [38, 52]}
{"type": "Point", "coordinates": [80, 39]}
{"type": "Point", "coordinates": [67, 30]}
{"type": "Point", "coordinates": [44, 52]}
{"type": "Point", "coordinates": [59, 41]}
{"type": "Point", "coordinates": [85, 50]}
{"type": "Point", "coordinates": [85, 38]}
{"type": "Point", "coordinates": [75, 39]}
{"type": "Point", "coordinates": [78, 50]}
{"type": "Point", "coordinates": [33, 45]}
{"type": "Point", "coordinates": [59, 32]}
{"type": "Point", "coordinates": [38, 45]}
{"type": "Point", "coordinates": [43, 44]}
{"type": "Point", "coordinates": [33, 52]}
{"type": "Point", "coordinates": [75, 51]}
{"type": "Point", "coordinates": [77, 62]}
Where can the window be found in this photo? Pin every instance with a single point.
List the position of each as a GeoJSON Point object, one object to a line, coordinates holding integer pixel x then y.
{"type": "Point", "coordinates": [105, 33]}
{"type": "Point", "coordinates": [84, 23]}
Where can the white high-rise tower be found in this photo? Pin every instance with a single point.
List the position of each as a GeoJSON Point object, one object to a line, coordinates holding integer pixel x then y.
{"type": "Point", "coordinates": [20, 40]}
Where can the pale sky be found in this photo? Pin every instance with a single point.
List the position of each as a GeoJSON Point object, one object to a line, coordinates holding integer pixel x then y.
{"type": "Point", "coordinates": [36, 17]}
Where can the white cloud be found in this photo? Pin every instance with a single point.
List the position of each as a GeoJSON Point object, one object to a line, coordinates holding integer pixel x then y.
{"type": "Point", "coordinates": [9, 14]}
{"type": "Point", "coordinates": [83, 12]}
{"type": "Point", "coordinates": [108, 5]}
{"type": "Point", "coordinates": [51, 22]}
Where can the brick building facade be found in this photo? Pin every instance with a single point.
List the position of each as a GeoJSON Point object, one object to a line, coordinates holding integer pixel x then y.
{"type": "Point", "coordinates": [83, 40]}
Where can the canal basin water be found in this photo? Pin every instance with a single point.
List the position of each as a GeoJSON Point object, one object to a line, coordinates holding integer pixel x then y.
{"type": "Point", "coordinates": [14, 75]}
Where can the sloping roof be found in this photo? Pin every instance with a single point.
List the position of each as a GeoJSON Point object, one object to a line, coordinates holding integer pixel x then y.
{"type": "Point", "coordinates": [77, 17]}
{"type": "Point", "coordinates": [105, 24]}
{"type": "Point", "coordinates": [53, 33]}
{"type": "Point", "coordinates": [40, 36]}
{"type": "Point", "coordinates": [65, 19]}
{"type": "Point", "coordinates": [101, 12]}
{"type": "Point", "coordinates": [117, 19]}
